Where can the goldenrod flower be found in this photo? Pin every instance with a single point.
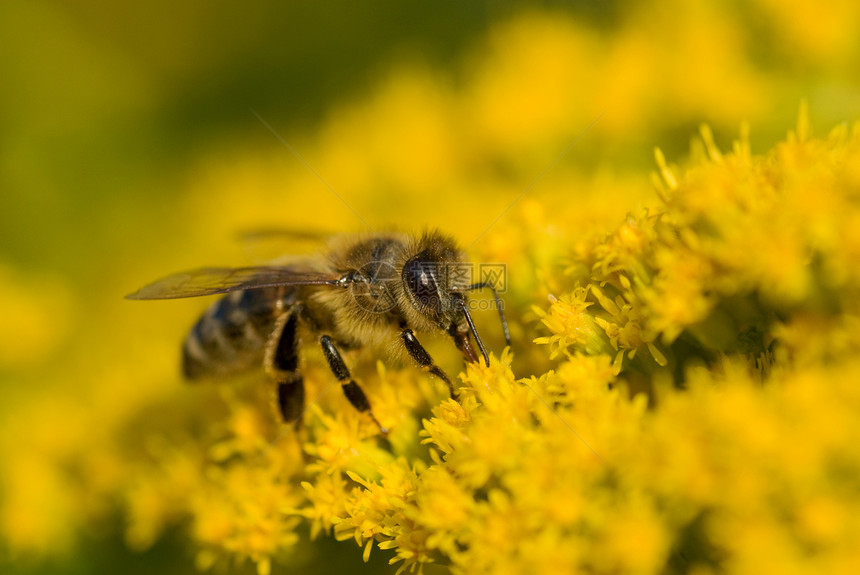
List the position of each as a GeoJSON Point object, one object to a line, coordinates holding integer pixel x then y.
{"type": "Point", "coordinates": [572, 325]}
{"type": "Point", "coordinates": [731, 310]}
{"type": "Point", "coordinates": [686, 402]}
{"type": "Point", "coordinates": [568, 472]}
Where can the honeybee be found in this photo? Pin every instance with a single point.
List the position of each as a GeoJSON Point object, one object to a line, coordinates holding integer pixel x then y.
{"type": "Point", "coordinates": [365, 291]}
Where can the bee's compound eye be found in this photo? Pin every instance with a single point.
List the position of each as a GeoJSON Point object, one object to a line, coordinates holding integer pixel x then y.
{"type": "Point", "coordinates": [419, 277]}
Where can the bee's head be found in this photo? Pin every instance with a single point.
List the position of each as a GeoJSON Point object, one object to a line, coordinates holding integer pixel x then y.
{"type": "Point", "coordinates": [435, 281]}
{"type": "Point", "coordinates": [430, 279]}
{"type": "Point", "coordinates": [426, 286]}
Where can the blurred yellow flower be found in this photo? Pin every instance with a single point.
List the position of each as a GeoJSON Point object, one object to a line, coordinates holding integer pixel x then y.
{"type": "Point", "coordinates": [38, 313]}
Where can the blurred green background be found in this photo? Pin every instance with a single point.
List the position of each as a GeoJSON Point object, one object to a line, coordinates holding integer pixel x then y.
{"type": "Point", "coordinates": [130, 147]}
{"type": "Point", "coordinates": [106, 105]}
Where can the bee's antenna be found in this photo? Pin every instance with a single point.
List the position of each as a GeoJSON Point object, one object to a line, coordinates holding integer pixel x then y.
{"type": "Point", "coordinates": [462, 301]}
{"type": "Point", "coordinates": [498, 307]}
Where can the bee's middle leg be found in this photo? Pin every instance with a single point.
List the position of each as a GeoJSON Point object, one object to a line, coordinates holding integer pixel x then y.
{"type": "Point", "coordinates": [282, 365]}
{"type": "Point", "coordinates": [351, 390]}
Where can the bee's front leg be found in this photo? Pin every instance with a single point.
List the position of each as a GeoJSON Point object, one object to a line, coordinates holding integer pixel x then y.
{"type": "Point", "coordinates": [350, 389]}
{"type": "Point", "coordinates": [423, 359]}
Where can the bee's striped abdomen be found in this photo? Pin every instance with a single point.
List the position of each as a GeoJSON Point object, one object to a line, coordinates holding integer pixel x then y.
{"type": "Point", "coordinates": [231, 336]}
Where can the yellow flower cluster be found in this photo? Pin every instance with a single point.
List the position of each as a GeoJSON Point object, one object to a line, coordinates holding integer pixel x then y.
{"type": "Point", "coordinates": [752, 468]}
{"type": "Point", "coordinates": [700, 416]}
{"type": "Point", "coordinates": [691, 403]}
{"type": "Point", "coordinates": [749, 469]}
{"type": "Point", "coordinates": [747, 256]}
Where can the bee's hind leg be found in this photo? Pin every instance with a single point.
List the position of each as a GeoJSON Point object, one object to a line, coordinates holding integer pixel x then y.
{"type": "Point", "coordinates": [282, 365]}
{"type": "Point", "coordinates": [350, 389]}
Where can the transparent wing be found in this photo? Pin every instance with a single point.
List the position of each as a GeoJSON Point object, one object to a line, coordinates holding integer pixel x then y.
{"type": "Point", "coordinates": [212, 281]}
